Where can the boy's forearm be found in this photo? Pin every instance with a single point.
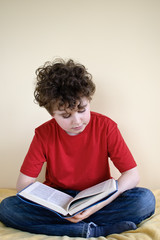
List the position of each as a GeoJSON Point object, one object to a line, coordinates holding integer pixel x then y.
{"type": "Point", "coordinates": [127, 180]}
{"type": "Point", "coordinates": [23, 181]}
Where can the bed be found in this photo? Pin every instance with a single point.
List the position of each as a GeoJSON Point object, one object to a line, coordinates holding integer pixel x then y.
{"type": "Point", "coordinates": [147, 230]}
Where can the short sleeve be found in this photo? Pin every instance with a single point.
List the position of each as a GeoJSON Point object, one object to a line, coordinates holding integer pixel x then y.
{"type": "Point", "coordinates": [35, 157]}
{"type": "Point", "coordinates": [119, 152]}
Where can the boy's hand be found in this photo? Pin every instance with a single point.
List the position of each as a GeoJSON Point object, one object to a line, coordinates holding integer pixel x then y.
{"type": "Point", "coordinates": [85, 214]}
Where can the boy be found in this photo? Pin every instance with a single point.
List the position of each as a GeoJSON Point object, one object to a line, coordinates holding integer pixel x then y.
{"type": "Point", "coordinates": [76, 145]}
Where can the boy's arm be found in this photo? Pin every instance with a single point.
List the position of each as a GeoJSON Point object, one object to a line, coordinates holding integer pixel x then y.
{"type": "Point", "coordinates": [127, 180]}
{"type": "Point", "coordinates": [23, 181]}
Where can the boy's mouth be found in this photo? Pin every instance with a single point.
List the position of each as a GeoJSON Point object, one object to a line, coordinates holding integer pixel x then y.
{"type": "Point", "coordinates": [78, 127]}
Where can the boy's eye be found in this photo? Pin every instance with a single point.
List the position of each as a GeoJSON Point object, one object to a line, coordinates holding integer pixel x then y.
{"type": "Point", "coordinates": [81, 111]}
{"type": "Point", "coordinates": [66, 115]}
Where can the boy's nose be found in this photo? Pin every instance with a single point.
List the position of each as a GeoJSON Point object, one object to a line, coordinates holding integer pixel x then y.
{"type": "Point", "coordinates": [76, 119]}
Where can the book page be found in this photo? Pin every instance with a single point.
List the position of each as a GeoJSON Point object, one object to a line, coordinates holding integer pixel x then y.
{"type": "Point", "coordinates": [99, 188]}
{"type": "Point", "coordinates": [79, 202]}
{"type": "Point", "coordinates": [92, 196]}
{"type": "Point", "coordinates": [48, 194]}
{"type": "Point", "coordinates": [85, 195]}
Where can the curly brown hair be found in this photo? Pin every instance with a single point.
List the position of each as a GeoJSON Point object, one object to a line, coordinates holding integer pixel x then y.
{"type": "Point", "coordinates": [62, 83]}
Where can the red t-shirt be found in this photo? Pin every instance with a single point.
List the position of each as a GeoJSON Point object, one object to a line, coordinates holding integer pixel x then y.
{"type": "Point", "coordinates": [77, 162]}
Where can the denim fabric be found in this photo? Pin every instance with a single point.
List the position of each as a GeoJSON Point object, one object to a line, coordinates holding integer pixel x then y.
{"type": "Point", "coordinates": [133, 205]}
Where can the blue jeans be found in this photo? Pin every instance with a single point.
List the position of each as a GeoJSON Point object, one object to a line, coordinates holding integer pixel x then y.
{"type": "Point", "coordinates": [133, 205]}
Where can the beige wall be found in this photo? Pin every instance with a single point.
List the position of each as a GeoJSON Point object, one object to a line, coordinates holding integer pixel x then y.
{"type": "Point", "coordinates": [118, 41]}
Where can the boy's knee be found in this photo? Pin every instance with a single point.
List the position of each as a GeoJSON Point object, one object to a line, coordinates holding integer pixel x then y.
{"type": "Point", "coordinates": [146, 200]}
{"type": "Point", "coordinates": [6, 206]}
{"type": "Point", "coordinates": [2, 209]}
{"type": "Point", "coordinates": [147, 196]}
{"type": "Point", "coordinates": [3, 205]}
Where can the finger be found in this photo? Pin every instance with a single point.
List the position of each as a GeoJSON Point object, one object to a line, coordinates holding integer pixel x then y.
{"type": "Point", "coordinates": [78, 217]}
{"type": "Point", "coordinates": [73, 220]}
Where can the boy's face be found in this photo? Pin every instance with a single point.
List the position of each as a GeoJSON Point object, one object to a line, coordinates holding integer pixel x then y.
{"type": "Point", "coordinates": [74, 121]}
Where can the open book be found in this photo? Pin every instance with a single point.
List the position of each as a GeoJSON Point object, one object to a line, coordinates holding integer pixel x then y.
{"type": "Point", "coordinates": [63, 203]}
